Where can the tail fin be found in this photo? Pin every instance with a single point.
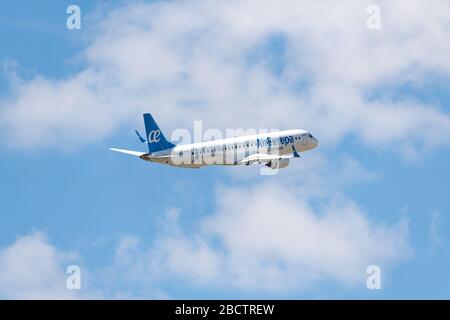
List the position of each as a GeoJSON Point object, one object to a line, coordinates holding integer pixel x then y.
{"type": "Point", "coordinates": [155, 138]}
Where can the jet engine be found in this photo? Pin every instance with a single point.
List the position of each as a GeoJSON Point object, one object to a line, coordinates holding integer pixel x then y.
{"type": "Point", "coordinates": [278, 163]}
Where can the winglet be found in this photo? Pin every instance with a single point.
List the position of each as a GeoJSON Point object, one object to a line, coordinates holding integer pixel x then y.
{"type": "Point", "coordinates": [296, 155]}
{"type": "Point", "coordinates": [140, 137]}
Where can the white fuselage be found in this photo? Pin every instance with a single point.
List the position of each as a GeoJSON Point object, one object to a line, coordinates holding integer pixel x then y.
{"type": "Point", "coordinates": [236, 151]}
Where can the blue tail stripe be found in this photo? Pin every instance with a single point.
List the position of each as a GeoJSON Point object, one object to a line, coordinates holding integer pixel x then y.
{"type": "Point", "coordinates": [155, 138]}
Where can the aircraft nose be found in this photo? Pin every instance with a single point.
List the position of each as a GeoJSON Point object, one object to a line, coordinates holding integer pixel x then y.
{"type": "Point", "coordinates": [315, 141]}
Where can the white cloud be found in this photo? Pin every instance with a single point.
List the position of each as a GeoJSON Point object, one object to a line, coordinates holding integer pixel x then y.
{"type": "Point", "coordinates": [271, 238]}
{"type": "Point", "coordinates": [31, 268]}
{"type": "Point", "coordinates": [187, 60]}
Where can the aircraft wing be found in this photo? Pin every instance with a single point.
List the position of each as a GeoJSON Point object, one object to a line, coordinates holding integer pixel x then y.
{"type": "Point", "coordinates": [265, 158]}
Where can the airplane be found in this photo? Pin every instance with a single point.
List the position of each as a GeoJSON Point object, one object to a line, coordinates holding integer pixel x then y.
{"type": "Point", "coordinates": [270, 149]}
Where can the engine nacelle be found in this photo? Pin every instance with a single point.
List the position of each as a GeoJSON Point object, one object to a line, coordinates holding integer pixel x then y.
{"type": "Point", "coordinates": [278, 163]}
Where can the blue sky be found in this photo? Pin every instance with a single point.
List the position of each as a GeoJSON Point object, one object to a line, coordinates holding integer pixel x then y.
{"type": "Point", "coordinates": [65, 191]}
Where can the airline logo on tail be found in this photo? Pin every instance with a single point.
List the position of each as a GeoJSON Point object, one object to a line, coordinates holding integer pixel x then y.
{"type": "Point", "coordinates": [154, 136]}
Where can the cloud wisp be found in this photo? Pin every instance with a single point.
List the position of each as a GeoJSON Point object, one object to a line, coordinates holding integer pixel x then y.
{"type": "Point", "coordinates": [278, 243]}
{"type": "Point", "coordinates": [31, 268]}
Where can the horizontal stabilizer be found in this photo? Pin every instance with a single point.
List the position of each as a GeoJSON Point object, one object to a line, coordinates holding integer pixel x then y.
{"type": "Point", "coordinates": [142, 140]}
{"type": "Point", "coordinates": [133, 153]}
